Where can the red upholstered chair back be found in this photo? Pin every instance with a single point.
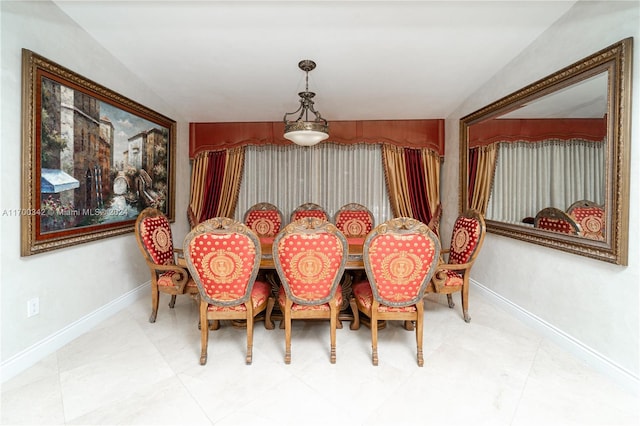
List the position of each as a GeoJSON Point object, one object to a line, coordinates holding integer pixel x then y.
{"type": "Point", "coordinates": [590, 217]}
{"type": "Point", "coordinates": [223, 256]}
{"type": "Point", "coordinates": [265, 219]}
{"type": "Point", "coordinates": [467, 237]}
{"type": "Point", "coordinates": [553, 219]}
{"type": "Point", "coordinates": [154, 236]}
{"type": "Point", "coordinates": [354, 220]}
{"type": "Point", "coordinates": [310, 255]}
{"type": "Point", "coordinates": [309, 210]}
{"type": "Point", "coordinates": [400, 256]}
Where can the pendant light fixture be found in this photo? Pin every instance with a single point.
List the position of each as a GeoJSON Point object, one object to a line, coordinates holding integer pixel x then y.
{"type": "Point", "coordinates": [303, 131]}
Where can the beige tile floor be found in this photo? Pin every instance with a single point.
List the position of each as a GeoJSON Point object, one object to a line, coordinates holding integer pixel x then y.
{"type": "Point", "coordinates": [492, 371]}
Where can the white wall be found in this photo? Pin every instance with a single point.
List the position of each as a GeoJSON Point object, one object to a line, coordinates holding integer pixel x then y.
{"type": "Point", "coordinates": [592, 303]}
{"type": "Point", "coordinates": [73, 283]}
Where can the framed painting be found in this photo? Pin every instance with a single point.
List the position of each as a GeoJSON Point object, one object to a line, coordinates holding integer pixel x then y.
{"type": "Point", "coordinates": [92, 159]}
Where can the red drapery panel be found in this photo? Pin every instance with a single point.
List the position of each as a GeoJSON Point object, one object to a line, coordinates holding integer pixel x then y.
{"type": "Point", "coordinates": [215, 176]}
{"type": "Point", "coordinates": [417, 185]}
{"type": "Point", "coordinates": [510, 130]}
{"type": "Point", "coordinates": [405, 133]}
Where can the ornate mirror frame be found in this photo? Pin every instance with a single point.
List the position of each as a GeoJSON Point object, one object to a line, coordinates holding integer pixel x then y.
{"type": "Point", "coordinates": [616, 61]}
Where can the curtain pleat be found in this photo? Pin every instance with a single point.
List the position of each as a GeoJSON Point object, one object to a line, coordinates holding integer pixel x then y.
{"type": "Point", "coordinates": [198, 183]}
{"type": "Point", "coordinates": [417, 186]}
{"type": "Point", "coordinates": [327, 174]}
{"type": "Point", "coordinates": [396, 175]}
{"type": "Point", "coordinates": [231, 181]}
{"type": "Point", "coordinates": [431, 164]}
{"type": "Point", "coordinates": [483, 163]}
{"type": "Point", "coordinates": [215, 176]}
{"type": "Point", "coordinates": [228, 182]}
{"type": "Point", "coordinates": [553, 173]}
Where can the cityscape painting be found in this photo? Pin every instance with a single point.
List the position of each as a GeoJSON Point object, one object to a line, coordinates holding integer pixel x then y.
{"type": "Point", "coordinates": [92, 159]}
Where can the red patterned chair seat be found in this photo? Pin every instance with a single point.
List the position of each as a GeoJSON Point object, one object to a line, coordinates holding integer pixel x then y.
{"type": "Point", "coordinates": [299, 307]}
{"type": "Point", "coordinates": [364, 295]}
{"type": "Point", "coordinates": [454, 279]}
{"type": "Point", "coordinates": [166, 279]}
{"type": "Point", "coordinates": [259, 295]}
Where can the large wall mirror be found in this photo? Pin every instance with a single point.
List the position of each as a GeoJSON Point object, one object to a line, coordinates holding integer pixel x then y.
{"type": "Point", "coordinates": [549, 164]}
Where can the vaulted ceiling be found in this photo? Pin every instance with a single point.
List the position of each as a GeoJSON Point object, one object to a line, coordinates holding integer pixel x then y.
{"type": "Point", "coordinates": [238, 61]}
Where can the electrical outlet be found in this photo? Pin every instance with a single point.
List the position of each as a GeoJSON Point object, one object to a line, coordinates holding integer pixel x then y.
{"type": "Point", "coordinates": [33, 307]}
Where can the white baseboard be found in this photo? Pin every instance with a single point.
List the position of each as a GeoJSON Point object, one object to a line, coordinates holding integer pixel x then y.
{"type": "Point", "coordinates": [591, 357]}
{"type": "Point", "coordinates": [33, 354]}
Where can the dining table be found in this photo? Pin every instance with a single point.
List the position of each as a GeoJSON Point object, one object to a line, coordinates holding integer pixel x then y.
{"type": "Point", "coordinates": [354, 256]}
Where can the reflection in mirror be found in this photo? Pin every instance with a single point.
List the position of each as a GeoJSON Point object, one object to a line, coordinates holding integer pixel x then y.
{"type": "Point", "coordinates": [549, 163]}
{"type": "Point", "coordinates": [551, 153]}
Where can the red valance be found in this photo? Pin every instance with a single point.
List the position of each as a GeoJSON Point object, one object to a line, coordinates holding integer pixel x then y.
{"type": "Point", "coordinates": [534, 130]}
{"type": "Point", "coordinates": [405, 133]}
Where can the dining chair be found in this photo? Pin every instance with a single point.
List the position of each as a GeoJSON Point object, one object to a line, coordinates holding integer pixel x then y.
{"type": "Point", "coordinates": [310, 256]}
{"type": "Point", "coordinates": [309, 210]}
{"type": "Point", "coordinates": [399, 256]}
{"type": "Point", "coordinates": [556, 220]}
{"type": "Point", "coordinates": [155, 241]}
{"type": "Point", "coordinates": [590, 216]}
{"type": "Point", "coordinates": [223, 256]}
{"type": "Point", "coordinates": [354, 220]}
{"type": "Point", "coordinates": [265, 219]}
{"type": "Point", "coordinates": [453, 271]}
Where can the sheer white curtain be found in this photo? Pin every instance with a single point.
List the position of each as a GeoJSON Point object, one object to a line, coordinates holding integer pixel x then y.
{"type": "Point", "coordinates": [327, 174]}
{"type": "Point", "coordinates": [554, 173]}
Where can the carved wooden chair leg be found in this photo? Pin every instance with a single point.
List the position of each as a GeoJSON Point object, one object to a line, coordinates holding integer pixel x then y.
{"type": "Point", "coordinates": [268, 322]}
{"type": "Point", "coordinates": [249, 358]}
{"type": "Point", "coordinates": [287, 331]}
{"type": "Point", "coordinates": [204, 334]}
{"type": "Point", "coordinates": [172, 302]}
{"type": "Point", "coordinates": [464, 295]}
{"type": "Point", "coordinates": [355, 323]}
{"type": "Point", "coordinates": [154, 304]}
{"type": "Point", "coordinates": [409, 325]}
{"type": "Point", "coordinates": [214, 325]}
{"type": "Point", "coordinates": [419, 333]}
{"type": "Point", "coordinates": [450, 301]}
{"type": "Point", "coordinates": [333, 345]}
{"type": "Point", "coordinates": [374, 338]}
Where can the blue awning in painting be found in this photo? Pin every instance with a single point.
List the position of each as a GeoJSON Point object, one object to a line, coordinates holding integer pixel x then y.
{"type": "Point", "coordinates": [53, 181]}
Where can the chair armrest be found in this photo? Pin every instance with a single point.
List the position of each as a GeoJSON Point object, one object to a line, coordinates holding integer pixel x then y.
{"type": "Point", "coordinates": [454, 266]}
{"type": "Point", "coordinates": [179, 279]}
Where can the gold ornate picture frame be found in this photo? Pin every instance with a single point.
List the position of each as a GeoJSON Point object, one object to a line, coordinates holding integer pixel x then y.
{"type": "Point", "coordinates": [613, 66]}
{"type": "Point", "coordinates": [91, 159]}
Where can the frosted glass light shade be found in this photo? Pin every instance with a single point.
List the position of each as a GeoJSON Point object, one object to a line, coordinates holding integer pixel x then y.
{"type": "Point", "coordinates": [306, 137]}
